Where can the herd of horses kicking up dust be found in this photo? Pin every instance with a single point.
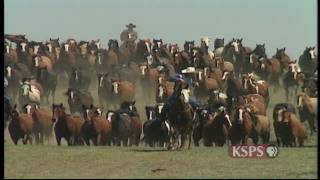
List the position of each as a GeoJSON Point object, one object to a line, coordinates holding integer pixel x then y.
{"type": "Point", "coordinates": [195, 94]}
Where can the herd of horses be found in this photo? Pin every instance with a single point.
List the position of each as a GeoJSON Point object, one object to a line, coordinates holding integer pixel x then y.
{"type": "Point", "coordinates": [232, 82]}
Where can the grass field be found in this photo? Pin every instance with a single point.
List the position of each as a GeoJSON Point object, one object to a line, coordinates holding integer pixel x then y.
{"type": "Point", "coordinates": [51, 161]}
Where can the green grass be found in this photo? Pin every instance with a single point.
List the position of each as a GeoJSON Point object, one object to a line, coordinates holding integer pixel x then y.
{"type": "Point", "coordinates": [50, 161]}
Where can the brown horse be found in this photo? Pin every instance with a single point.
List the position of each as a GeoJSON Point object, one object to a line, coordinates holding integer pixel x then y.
{"type": "Point", "coordinates": [148, 78]}
{"type": "Point", "coordinates": [204, 85]}
{"type": "Point", "coordinates": [21, 126]}
{"type": "Point", "coordinates": [42, 118]}
{"type": "Point", "coordinates": [268, 69]}
{"type": "Point", "coordinates": [164, 89]}
{"type": "Point", "coordinates": [66, 126]}
{"type": "Point", "coordinates": [242, 127]}
{"type": "Point", "coordinates": [68, 57]}
{"type": "Point", "coordinates": [122, 90]}
{"type": "Point", "coordinates": [283, 58]}
{"type": "Point", "coordinates": [96, 127]}
{"type": "Point", "coordinates": [254, 98]}
{"type": "Point", "coordinates": [307, 107]}
{"type": "Point", "coordinates": [256, 87]}
{"type": "Point", "coordinates": [293, 130]}
{"type": "Point", "coordinates": [224, 66]}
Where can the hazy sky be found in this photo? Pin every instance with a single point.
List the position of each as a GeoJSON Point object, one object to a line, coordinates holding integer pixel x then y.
{"type": "Point", "coordinates": [278, 23]}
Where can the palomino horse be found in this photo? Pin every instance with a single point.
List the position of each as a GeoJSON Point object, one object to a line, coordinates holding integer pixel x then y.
{"type": "Point", "coordinates": [181, 118]}
{"type": "Point", "coordinates": [235, 53]}
{"type": "Point", "coordinates": [29, 93]}
{"type": "Point", "coordinates": [48, 81]}
{"type": "Point", "coordinates": [291, 80]}
{"type": "Point", "coordinates": [66, 125]}
{"type": "Point", "coordinates": [308, 61]}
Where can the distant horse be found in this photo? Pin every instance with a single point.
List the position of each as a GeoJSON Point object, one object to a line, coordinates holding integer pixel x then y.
{"type": "Point", "coordinates": [10, 56]}
{"type": "Point", "coordinates": [48, 81]}
{"type": "Point", "coordinates": [308, 61]}
{"type": "Point", "coordinates": [235, 53]}
{"type": "Point", "coordinates": [122, 90]}
{"type": "Point", "coordinates": [204, 85]}
{"type": "Point", "coordinates": [77, 98]}
{"type": "Point", "coordinates": [79, 79]}
{"type": "Point", "coordinates": [256, 87]}
{"type": "Point", "coordinates": [283, 58]}
{"type": "Point", "coordinates": [13, 77]}
{"type": "Point", "coordinates": [291, 80]}
{"type": "Point", "coordinates": [164, 90]}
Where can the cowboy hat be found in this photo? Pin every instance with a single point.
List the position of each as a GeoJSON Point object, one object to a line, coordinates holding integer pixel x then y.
{"type": "Point", "coordinates": [130, 25]}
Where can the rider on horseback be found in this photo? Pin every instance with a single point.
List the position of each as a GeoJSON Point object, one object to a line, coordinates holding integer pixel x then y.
{"type": "Point", "coordinates": [177, 79]}
{"type": "Point", "coordinates": [129, 34]}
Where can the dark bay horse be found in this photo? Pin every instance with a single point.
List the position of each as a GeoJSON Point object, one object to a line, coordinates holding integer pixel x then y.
{"type": "Point", "coordinates": [308, 61]}
{"type": "Point", "coordinates": [235, 53]}
{"type": "Point", "coordinates": [48, 81]}
{"type": "Point", "coordinates": [181, 118]}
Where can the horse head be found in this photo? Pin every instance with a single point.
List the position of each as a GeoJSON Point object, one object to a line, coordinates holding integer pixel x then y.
{"type": "Point", "coordinates": [219, 42]}
{"type": "Point", "coordinates": [151, 112]}
{"type": "Point", "coordinates": [58, 111]}
{"type": "Point", "coordinates": [129, 106]}
{"type": "Point", "coordinates": [102, 79]}
{"type": "Point", "coordinates": [260, 51]}
{"type": "Point", "coordinates": [188, 45]}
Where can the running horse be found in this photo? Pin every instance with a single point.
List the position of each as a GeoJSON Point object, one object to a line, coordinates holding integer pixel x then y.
{"type": "Point", "coordinates": [308, 60]}
{"type": "Point", "coordinates": [235, 53]}
{"type": "Point", "coordinates": [292, 79]}
{"type": "Point", "coordinates": [181, 118]}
